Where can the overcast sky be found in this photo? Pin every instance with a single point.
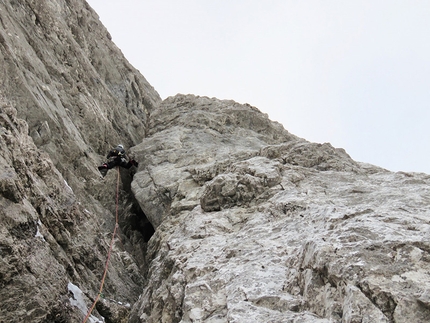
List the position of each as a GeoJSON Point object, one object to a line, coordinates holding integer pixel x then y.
{"type": "Point", "coordinates": [352, 73]}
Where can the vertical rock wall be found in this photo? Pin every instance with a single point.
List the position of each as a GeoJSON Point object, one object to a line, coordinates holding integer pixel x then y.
{"type": "Point", "coordinates": [48, 237]}
{"type": "Point", "coordinates": [252, 223]}
{"type": "Point", "coordinates": [67, 96]}
{"type": "Point", "coordinates": [70, 83]}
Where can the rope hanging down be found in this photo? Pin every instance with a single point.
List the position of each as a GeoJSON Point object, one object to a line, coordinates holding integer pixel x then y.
{"type": "Point", "coordinates": [109, 253]}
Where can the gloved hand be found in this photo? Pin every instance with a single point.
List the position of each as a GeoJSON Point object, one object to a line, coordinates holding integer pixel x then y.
{"type": "Point", "coordinates": [135, 163]}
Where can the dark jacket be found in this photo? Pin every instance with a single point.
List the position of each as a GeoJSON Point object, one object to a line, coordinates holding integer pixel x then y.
{"type": "Point", "coordinates": [117, 152]}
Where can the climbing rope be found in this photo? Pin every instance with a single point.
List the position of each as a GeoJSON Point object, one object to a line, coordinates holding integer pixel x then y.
{"type": "Point", "coordinates": [109, 253]}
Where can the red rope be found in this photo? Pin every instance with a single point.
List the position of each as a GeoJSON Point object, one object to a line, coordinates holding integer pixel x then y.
{"type": "Point", "coordinates": [109, 253]}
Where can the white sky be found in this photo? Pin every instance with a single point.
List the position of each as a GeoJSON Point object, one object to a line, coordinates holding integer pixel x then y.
{"type": "Point", "coordinates": [355, 73]}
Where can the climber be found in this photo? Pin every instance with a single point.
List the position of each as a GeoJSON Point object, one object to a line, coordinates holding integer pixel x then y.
{"type": "Point", "coordinates": [117, 157]}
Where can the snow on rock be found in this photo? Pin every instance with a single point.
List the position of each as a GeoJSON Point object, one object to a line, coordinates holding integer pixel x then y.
{"type": "Point", "coordinates": [38, 234]}
{"type": "Point", "coordinates": [78, 300]}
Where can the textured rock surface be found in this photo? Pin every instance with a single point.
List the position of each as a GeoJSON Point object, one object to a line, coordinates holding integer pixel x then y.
{"type": "Point", "coordinates": [48, 238]}
{"type": "Point", "coordinates": [252, 223]}
{"type": "Point", "coordinates": [256, 225]}
{"type": "Point", "coordinates": [190, 141]}
{"type": "Point", "coordinates": [70, 83]}
{"type": "Point", "coordinates": [67, 95]}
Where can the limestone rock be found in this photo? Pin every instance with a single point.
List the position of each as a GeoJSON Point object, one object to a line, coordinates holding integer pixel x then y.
{"type": "Point", "coordinates": [193, 139]}
{"type": "Point", "coordinates": [113, 311]}
{"type": "Point", "coordinates": [67, 95]}
{"type": "Point", "coordinates": [252, 224]}
{"type": "Point", "coordinates": [249, 182]}
{"type": "Point", "coordinates": [71, 84]}
{"type": "Point", "coordinates": [48, 238]}
{"type": "Point", "coordinates": [262, 226]}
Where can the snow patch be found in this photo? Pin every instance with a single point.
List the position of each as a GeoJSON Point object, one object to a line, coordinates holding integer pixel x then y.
{"type": "Point", "coordinates": [79, 302]}
{"type": "Point", "coordinates": [67, 185]}
{"type": "Point", "coordinates": [38, 234]}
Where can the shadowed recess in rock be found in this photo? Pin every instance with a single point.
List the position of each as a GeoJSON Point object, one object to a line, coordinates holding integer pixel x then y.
{"type": "Point", "coordinates": [137, 221]}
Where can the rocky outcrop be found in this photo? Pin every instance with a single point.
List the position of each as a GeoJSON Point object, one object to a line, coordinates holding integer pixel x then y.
{"type": "Point", "coordinates": [191, 140]}
{"type": "Point", "coordinates": [70, 83]}
{"type": "Point", "coordinates": [252, 224]}
{"type": "Point", "coordinates": [257, 225]}
{"type": "Point", "coordinates": [67, 95]}
{"type": "Point", "coordinates": [48, 238]}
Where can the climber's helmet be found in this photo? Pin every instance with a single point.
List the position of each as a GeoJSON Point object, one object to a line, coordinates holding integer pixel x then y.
{"type": "Point", "coordinates": [120, 146]}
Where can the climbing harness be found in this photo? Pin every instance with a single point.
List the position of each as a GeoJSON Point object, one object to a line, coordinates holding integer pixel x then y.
{"type": "Point", "coordinates": [109, 253]}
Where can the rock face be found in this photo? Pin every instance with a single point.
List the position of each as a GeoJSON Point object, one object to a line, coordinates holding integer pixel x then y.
{"type": "Point", "coordinates": [190, 141]}
{"type": "Point", "coordinates": [70, 83]}
{"type": "Point", "coordinates": [257, 225]}
{"type": "Point", "coordinates": [252, 224]}
{"type": "Point", "coordinates": [67, 95]}
{"type": "Point", "coordinates": [49, 238]}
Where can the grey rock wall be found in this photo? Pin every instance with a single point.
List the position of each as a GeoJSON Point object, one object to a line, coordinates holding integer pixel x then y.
{"type": "Point", "coordinates": [190, 141]}
{"type": "Point", "coordinates": [252, 224]}
{"type": "Point", "coordinates": [70, 83]}
{"type": "Point", "coordinates": [67, 96]}
{"type": "Point", "coordinates": [48, 238]}
{"type": "Point", "coordinates": [257, 225]}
